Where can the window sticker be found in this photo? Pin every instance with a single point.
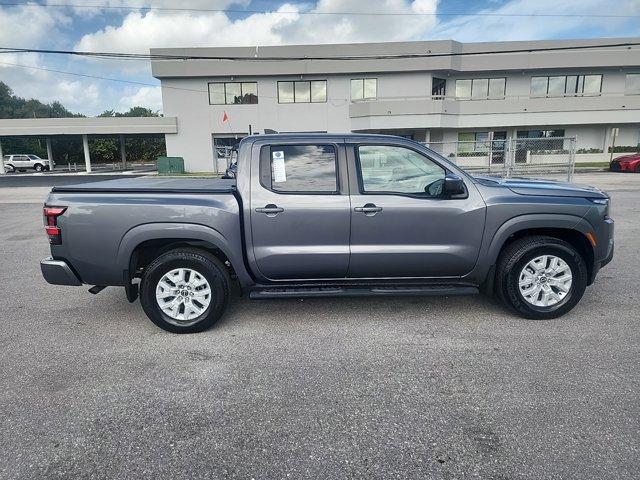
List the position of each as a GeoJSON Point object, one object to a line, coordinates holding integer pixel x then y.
{"type": "Point", "coordinates": [277, 166]}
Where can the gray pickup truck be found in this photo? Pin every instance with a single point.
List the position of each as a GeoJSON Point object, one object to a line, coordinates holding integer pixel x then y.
{"type": "Point", "coordinates": [328, 215]}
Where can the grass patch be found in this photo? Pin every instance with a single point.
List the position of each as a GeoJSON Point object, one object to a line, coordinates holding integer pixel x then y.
{"type": "Point", "coordinates": [592, 164]}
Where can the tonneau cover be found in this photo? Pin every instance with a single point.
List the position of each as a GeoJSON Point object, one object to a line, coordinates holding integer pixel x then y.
{"type": "Point", "coordinates": [153, 184]}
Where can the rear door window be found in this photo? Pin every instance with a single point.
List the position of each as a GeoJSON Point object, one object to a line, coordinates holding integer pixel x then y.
{"type": "Point", "coordinates": [300, 168]}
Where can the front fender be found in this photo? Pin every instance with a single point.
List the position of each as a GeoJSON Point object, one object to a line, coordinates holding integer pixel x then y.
{"type": "Point", "coordinates": [526, 222]}
{"type": "Point", "coordinates": [182, 231]}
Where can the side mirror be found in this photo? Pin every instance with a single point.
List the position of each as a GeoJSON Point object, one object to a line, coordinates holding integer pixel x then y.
{"type": "Point", "coordinates": [453, 185]}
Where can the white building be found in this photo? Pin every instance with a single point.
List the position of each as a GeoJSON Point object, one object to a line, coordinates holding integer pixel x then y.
{"type": "Point", "coordinates": [461, 93]}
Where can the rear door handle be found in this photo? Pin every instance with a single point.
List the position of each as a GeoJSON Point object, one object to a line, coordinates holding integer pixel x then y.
{"type": "Point", "coordinates": [270, 210]}
{"type": "Point", "coordinates": [368, 209]}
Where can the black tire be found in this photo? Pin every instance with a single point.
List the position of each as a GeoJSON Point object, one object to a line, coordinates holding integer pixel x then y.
{"type": "Point", "coordinates": [638, 168]}
{"type": "Point", "coordinates": [38, 168]}
{"type": "Point", "coordinates": [514, 258]}
{"type": "Point", "coordinates": [204, 263]}
{"type": "Point", "coordinates": [10, 168]}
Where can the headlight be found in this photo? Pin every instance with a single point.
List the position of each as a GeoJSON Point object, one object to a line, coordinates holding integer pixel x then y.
{"type": "Point", "coordinates": [602, 201]}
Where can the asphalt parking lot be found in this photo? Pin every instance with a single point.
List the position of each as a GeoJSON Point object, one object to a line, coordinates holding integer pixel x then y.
{"type": "Point", "coordinates": [440, 388]}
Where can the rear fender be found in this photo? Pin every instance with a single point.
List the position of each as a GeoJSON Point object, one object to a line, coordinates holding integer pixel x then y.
{"type": "Point", "coordinates": [182, 231]}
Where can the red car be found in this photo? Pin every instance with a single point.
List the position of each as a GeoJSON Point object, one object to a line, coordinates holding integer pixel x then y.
{"type": "Point", "coordinates": [626, 163]}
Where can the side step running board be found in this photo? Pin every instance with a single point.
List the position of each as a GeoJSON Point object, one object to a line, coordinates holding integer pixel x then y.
{"type": "Point", "coordinates": [362, 291]}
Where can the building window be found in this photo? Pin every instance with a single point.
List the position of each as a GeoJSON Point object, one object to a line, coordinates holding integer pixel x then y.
{"type": "Point", "coordinates": [233, 93]}
{"type": "Point", "coordinates": [364, 88]}
{"type": "Point", "coordinates": [566, 85]}
{"type": "Point", "coordinates": [305, 91]}
{"type": "Point", "coordinates": [632, 86]}
{"type": "Point", "coordinates": [479, 141]}
{"type": "Point", "coordinates": [438, 87]}
{"type": "Point", "coordinates": [481, 88]}
{"type": "Point", "coordinates": [301, 169]}
{"type": "Point", "coordinates": [463, 88]}
{"type": "Point", "coordinates": [558, 133]}
{"type": "Point", "coordinates": [497, 87]}
{"type": "Point", "coordinates": [555, 142]}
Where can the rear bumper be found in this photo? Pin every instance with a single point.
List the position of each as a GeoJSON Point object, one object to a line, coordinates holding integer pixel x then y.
{"type": "Point", "coordinates": [58, 272]}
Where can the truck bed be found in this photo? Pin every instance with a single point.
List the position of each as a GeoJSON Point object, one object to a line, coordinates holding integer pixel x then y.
{"type": "Point", "coordinates": [153, 184]}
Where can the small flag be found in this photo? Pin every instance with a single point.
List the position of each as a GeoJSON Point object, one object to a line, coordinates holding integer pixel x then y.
{"type": "Point", "coordinates": [225, 117]}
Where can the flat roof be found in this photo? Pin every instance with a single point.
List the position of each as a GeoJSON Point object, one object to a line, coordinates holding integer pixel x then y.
{"type": "Point", "coordinates": [286, 63]}
{"type": "Point", "coordinates": [87, 126]}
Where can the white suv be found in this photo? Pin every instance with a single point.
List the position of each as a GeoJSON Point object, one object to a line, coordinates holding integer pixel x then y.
{"type": "Point", "coordinates": [23, 162]}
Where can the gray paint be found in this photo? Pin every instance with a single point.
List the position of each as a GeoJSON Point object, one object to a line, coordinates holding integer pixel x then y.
{"type": "Point", "coordinates": [318, 238]}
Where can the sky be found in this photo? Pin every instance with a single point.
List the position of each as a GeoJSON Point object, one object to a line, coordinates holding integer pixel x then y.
{"type": "Point", "coordinates": [102, 25]}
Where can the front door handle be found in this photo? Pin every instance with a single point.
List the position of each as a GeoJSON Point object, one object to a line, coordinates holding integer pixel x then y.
{"type": "Point", "coordinates": [368, 209]}
{"type": "Point", "coordinates": [270, 210]}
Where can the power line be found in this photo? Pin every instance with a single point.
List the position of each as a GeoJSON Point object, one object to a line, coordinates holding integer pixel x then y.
{"type": "Point", "coordinates": [296, 12]}
{"type": "Point", "coordinates": [206, 92]}
{"type": "Point", "coordinates": [121, 80]}
{"type": "Point", "coordinates": [428, 54]}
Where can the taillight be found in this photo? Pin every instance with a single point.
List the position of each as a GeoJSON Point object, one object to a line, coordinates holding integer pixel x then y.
{"type": "Point", "coordinates": [51, 215]}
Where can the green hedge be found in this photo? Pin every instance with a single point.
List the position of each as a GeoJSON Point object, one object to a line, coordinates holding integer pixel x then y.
{"type": "Point", "coordinates": [625, 149]}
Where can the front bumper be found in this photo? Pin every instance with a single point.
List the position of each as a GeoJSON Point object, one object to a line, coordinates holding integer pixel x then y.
{"type": "Point", "coordinates": [58, 272]}
{"type": "Point", "coordinates": [607, 252]}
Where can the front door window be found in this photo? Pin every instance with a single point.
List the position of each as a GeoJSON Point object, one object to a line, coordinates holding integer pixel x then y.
{"type": "Point", "coordinates": [392, 169]}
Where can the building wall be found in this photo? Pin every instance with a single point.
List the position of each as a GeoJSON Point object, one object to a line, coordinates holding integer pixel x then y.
{"type": "Point", "coordinates": [404, 106]}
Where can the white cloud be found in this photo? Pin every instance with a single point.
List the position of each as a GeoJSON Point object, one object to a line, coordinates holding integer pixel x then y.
{"type": "Point", "coordinates": [149, 97]}
{"type": "Point", "coordinates": [26, 26]}
{"type": "Point", "coordinates": [362, 28]}
{"type": "Point", "coordinates": [140, 31]}
{"type": "Point", "coordinates": [91, 8]}
{"type": "Point", "coordinates": [472, 28]}
{"type": "Point", "coordinates": [23, 73]}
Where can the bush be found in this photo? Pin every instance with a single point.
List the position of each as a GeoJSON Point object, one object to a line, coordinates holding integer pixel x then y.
{"type": "Point", "coordinates": [549, 152]}
{"type": "Point", "coordinates": [625, 149]}
{"type": "Point", "coordinates": [470, 154]}
{"type": "Point", "coordinates": [589, 150]}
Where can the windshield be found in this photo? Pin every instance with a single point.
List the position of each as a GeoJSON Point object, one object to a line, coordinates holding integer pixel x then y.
{"type": "Point", "coordinates": [34, 157]}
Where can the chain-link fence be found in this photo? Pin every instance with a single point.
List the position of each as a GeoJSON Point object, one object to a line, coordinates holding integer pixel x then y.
{"type": "Point", "coordinates": [515, 157]}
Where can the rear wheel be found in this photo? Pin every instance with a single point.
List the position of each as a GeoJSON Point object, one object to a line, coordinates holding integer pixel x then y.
{"type": "Point", "coordinates": [638, 168]}
{"type": "Point", "coordinates": [185, 290]}
{"type": "Point", "coordinates": [10, 168]}
{"type": "Point", "coordinates": [541, 277]}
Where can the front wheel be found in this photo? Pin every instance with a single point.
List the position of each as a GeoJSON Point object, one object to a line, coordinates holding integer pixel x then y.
{"type": "Point", "coordinates": [185, 290]}
{"type": "Point", "coordinates": [38, 168]}
{"type": "Point", "coordinates": [541, 277]}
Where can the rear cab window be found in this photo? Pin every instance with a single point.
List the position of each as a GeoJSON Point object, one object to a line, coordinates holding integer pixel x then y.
{"type": "Point", "coordinates": [302, 169]}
